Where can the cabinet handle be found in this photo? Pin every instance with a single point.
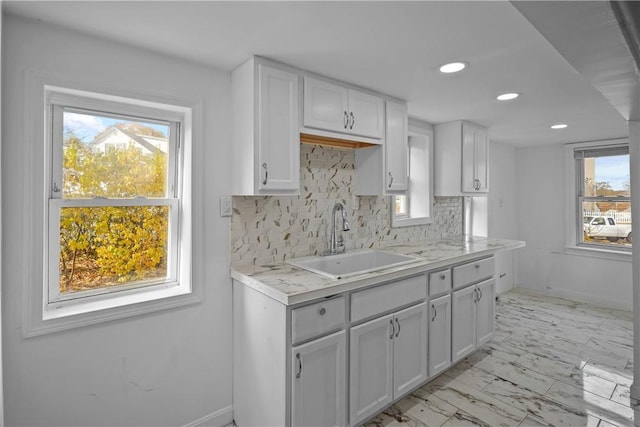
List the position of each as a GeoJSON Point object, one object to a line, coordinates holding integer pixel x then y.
{"type": "Point", "coordinates": [442, 277]}
{"type": "Point", "coordinates": [435, 312]}
{"type": "Point", "coordinates": [398, 323]}
{"type": "Point", "coordinates": [477, 266]}
{"type": "Point", "coordinates": [322, 311]}
{"type": "Point", "coordinates": [390, 179]}
{"type": "Point", "coordinates": [266, 174]}
{"type": "Point", "coordinates": [353, 120]}
{"type": "Point", "coordinates": [477, 295]}
{"type": "Point", "coordinates": [346, 120]}
{"type": "Point", "coordinates": [393, 329]}
{"type": "Point", "coordinates": [299, 370]}
{"type": "Point", "coordinates": [480, 294]}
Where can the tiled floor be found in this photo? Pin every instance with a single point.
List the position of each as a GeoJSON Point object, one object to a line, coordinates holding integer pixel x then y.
{"type": "Point", "coordinates": [553, 362]}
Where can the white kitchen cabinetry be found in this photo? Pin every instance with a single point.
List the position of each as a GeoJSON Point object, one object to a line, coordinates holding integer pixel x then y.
{"type": "Point", "coordinates": [266, 137]}
{"type": "Point", "coordinates": [340, 359]}
{"type": "Point", "coordinates": [318, 390]}
{"type": "Point", "coordinates": [383, 171]}
{"type": "Point", "coordinates": [461, 159]}
{"type": "Point", "coordinates": [334, 108]}
{"type": "Point", "coordinates": [388, 359]}
{"type": "Point", "coordinates": [396, 147]}
{"type": "Point", "coordinates": [471, 326]}
{"type": "Point", "coordinates": [439, 335]}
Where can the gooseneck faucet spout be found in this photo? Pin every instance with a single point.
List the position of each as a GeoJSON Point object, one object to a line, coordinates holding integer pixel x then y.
{"type": "Point", "coordinates": [337, 245]}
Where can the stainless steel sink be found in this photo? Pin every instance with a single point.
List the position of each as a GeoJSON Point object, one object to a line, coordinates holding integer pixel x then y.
{"type": "Point", "coordinates": [352, 263]}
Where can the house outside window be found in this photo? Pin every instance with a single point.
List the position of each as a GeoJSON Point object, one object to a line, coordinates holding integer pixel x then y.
{"type": "Point", "coordinates": [116, 231]}
{"type": "Point", "coordinates": [603, 199]}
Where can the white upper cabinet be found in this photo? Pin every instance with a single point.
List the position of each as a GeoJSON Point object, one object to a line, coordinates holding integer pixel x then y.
{"type": "Point", "coordinates": [475, 159]}
{"type": "Point", "coordinates": [461, 159]}
{"type": "Point", "coordinates": [396, 147]}
{"type": "Point", "coordinates": [266, 138]}
{"type": "Point", "coordinates": [334, 108]}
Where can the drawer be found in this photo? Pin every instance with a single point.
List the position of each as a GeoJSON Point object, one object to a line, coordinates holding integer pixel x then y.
{"type": "Point", "coordinates": [316, 319]}
{"type": "Point", "coordinates": [381, 299]}
{"type": "Point", "coordinates": [439, 282]}
{"type": "Point", "coordinates": [473, 272]}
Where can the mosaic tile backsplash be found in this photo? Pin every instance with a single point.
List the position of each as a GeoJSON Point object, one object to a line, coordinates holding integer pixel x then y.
{"type": "Point", "coordinates": [272, 229]}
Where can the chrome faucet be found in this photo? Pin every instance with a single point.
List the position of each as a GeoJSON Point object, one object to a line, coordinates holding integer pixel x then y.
{"type": "Point", "coordinates": [337, 245]}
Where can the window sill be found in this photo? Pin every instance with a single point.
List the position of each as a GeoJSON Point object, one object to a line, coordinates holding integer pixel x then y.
{"type": "Point", "coordinates": [598, 253]}
{"type": "Point", "coordinates": [408, 222]}
{"type": "Point", "coordinates": [89, 313]}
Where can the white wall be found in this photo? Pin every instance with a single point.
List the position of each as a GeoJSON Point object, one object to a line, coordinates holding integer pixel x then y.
{"type": "Point", "coordinates": [166, 368]}
{"type": "Point", "coordinates": [544, 265]}
{"type": "Point", "coordinates": [502, 210]}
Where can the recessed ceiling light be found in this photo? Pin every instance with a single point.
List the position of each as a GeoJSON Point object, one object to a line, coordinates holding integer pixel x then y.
{"type": "Point", "coordinates": [452, 67]}
{"type": "Point", "coordinates": [559, 126]}
{"type": "Point", "coordinates": [507, 96]}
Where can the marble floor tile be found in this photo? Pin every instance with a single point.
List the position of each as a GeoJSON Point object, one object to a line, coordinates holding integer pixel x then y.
{"type": "Point", "coordinates": [541, 409]}
{"type": "Point", "coordinates": [567, 373]}
{"type": "Point", "coordinates": [592, 404]}
{"type": "Point", "coordinates": [480, 405]}
{"type": "Point", "coordinates": [516, 374]}
{"type": "Point", "coordinates": [552, 362]}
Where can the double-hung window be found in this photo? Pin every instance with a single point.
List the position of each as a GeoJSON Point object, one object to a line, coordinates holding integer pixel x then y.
{"type": "Point", "coordinates": [603, 199]}
{"type": "Point", "coordinates": [115, 228]}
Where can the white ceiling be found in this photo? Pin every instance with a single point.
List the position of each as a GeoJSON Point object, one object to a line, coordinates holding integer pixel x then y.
{"type": "Point", "coordinates": [392, 47]}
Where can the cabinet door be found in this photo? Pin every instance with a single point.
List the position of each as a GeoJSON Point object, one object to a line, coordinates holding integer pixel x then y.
{"type": "Point", "coordinates": [371, 363]}
{"type": "Point", "coordinates": [486, 311]}
{"type": "Point", "coordinates": [409, 349]}
{"type": "Point", "coordinates": [396, 146]}
{"type": "Point", "coordinates": [463, 322]}
{"type": "Point", "coordinates": [278, 134]}
{"type": "Point", "coordinates": [326, 106]}
{"type": "Point", "coordinates": [318, 392]}
{"type": "Point", "coordinates": [482, 160]}
{"type": "Point", "coordinates": [439, 335]}
{"type": "Point", "coordinates": [366, 114]}
{"type": "Point", "coordinates": [469, 183]}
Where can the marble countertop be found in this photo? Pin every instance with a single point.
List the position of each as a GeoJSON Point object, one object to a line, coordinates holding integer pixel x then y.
{"type": "Point", "coordinates": [292, 285]}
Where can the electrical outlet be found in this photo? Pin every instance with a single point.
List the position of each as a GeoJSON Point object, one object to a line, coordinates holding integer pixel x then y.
{"type": "Point", "coordinates": [225, 206]}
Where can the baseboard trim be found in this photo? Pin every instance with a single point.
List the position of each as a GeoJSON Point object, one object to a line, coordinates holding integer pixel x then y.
{"type": "Point", "coordinates": [586, 298]}
{"type": "Point", "coordinates": [221, 417]}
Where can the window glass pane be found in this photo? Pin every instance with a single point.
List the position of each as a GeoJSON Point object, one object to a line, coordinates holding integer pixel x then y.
{"type": "Point", "coordinates": [607, 223]}
{"type": "Point", "coordinates": [113, 157]}
{"type": "Point", "coordinates": [102, 247]}
{"type": "Point", "coordinates": [607, 176]}
{"type": "Point", "coordinates": [401, 205]}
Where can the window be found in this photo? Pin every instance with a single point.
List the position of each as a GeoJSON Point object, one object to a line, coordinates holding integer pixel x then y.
{"type": "Point", "coordinates": [603, 199]}
{"type": "Point", "coordinates": [414, 207]}
{"type": "Point", "coordinates": [116, 227]}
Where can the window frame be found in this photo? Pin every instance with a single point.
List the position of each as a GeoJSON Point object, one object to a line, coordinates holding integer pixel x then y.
{"type": "Point", "coordinates": [43, 317]}
{"type": "Point", "coordinates": [574, 176]}
{"type": "Point", "coordinates": [406, 220]}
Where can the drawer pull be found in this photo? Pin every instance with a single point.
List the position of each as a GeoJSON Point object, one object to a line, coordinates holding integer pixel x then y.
{"type": "Point", "coordinates": [442, 277]}
{"type": "Point", "coordinates": [477, 266]}
{"type": "Point", "coordinates": [322, 311]}
{"type": "Point", "coordinates": [299, 370]}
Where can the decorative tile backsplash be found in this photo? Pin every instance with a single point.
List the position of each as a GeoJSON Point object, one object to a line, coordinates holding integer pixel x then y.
{"type": "Point", "coordinates": [272, 229]}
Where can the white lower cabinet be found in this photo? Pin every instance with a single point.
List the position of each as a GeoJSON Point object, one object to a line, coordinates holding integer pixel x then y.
{"type": "Point", "coordinates": [339, 360]}
{"type": "Point", "coordinates": [472, 318]}
{"type": "Point", "coordinates": [439, 335]}
{"type": "Point", "coordinates": [388, 358]}
{"type": "Point", "coordinates": [319, 382]}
